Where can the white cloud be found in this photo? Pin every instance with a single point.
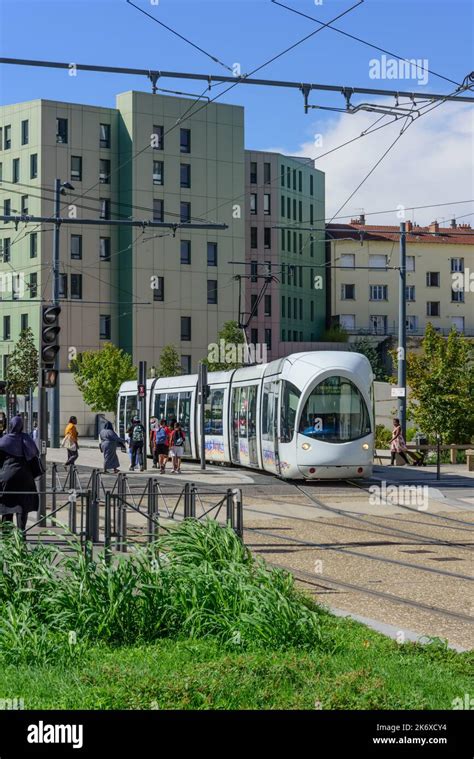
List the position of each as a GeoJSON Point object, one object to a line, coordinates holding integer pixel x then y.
{"type": "Point", "coordinates": [431, 163]}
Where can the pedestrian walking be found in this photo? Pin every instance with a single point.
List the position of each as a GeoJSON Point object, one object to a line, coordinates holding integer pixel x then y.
{"type": "Point", "coordinates": [136, 433]}
{"type": "Point", "coordinates": [162, 444]}
{"type": "Point", "coordinates": [397, 443]}
{"type": "Point", "coordinates": [19, 466]}
{"type": "Point", "coordinates": [70, 441]}
{"type": "Point", "coordinates": [109, 442]}
{"type": "Point", "coordinates": [177, 447]}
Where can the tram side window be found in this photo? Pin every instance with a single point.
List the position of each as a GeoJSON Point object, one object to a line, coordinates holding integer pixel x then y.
{"type": "Point", "coordinates": [289, 404]}
{"type": "Point", "coordinates": [213, 412]}
{"type": "Point", "coordinates": [243, 411]}
{"type": "Point", "coordinates": [159, 407]}
{"type": "Point", "coordinates": [130, 410]}
{"type": "Point", "coordinates": [267, 412]}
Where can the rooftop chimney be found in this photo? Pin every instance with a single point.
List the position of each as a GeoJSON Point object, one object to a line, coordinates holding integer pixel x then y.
{"type": "Point", "coordinates": [453, 224]}
{"type": "Point", "coordinates": [362, 219]}
{"type": "Point", "coordinates": [409, 226]}
{"type": "Point", "coordinates": [434, 227]}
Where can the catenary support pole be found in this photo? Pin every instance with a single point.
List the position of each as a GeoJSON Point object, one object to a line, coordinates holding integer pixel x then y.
{"type": "Point", "coordinates": [55, 300]}
{"type": "Point", "coordinates": [142, 372]}
{"type": "Point", "coordinates": [402, 332]}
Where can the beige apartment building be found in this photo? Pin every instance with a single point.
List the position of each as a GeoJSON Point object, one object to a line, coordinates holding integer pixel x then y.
{"type": "Point", "coordinates": [364, 278]}
{"type": "Point", "coordinates": [138, 288]}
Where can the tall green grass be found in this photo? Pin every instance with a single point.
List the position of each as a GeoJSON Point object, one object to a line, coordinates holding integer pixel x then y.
{"type": "Point", "coordinates": [199, 581]}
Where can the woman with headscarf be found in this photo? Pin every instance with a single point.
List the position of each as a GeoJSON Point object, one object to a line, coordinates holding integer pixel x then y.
{"type": "Point", "coordinates": [109, 440]}
{"type": "Point", "coordinates": [18, 468]}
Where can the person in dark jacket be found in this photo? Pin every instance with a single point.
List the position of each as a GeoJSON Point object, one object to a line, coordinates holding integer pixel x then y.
{"type": "Point", "coordinates": [18, 469]}
{"type": "Point", "coordinates": [109, 440]}
{"type": "Point", "coordinates": [136, 433]}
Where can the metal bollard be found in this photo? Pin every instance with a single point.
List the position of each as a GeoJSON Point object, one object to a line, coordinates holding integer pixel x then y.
{"type": "Point", "coordinates": [186, 501]}
{"type": "Point", "coordinates": [108, 528]}
{"type": "Point", "coordinates": [229, 503]}
{"type": "Point", "coordinates": [239, 512]}
{"type": "Point", "coordinates": [192, 501]}
{"type": "Point", "coordinates": [72, 511]}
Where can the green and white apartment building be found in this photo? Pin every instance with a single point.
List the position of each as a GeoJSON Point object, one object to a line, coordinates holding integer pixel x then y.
{"type": "Point", "coordinates": [142, 288]}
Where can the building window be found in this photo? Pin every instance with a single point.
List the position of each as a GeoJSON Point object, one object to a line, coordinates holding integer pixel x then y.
{"type": "Point", "coordinates": [283, 306]}
{"type": "Point", "coordinates": [433, 308]}
{"type": "Point", "coordinates": [185, 212]}
{"type": "Point", "coordinates": [186, 364]}
{"type": "Point", "coordinates": [282, 176]}
{"type": "Point", "coordinates": [294, 209]}
{"type": "Point", "coordinates": [185, 175]}
{"type": "Point", "coordinates": [267, 310]}
{"type": "Point", "coordinates": [159, 289]}
{"type": "Point", "coordinates": [300, 210]}
{"type": "Point", "coordinates": [253, 305]}
{"type": "Point", "coordinates": [294, 179]}
{"type": "Point", "coordinates": [33, 165]}
{"type": "Point", "coordinates": [24, 132]}
{"type": "Point", "coordinates": [457, 264]}
{"type": "Point", "coordinates": [410, 293]}
{"type": "Point", "coordinates": [432, 279]}
{"type": "Point", "coordinates": [6, 327]}
{"type": "Point", "coordinates": [300, 181]}
{"type": "Point", "coordinates": [158, 209]}
{"type": "Point", "coordinates": [254, 336]}
{"type": "Point", "coordinates": [76, 247]}
{"type": "Point", "coordinates": [212, 254]}
{"type": "Point", "coordinates": [253, 237]}
{"type": "Point", "coordinates": [267, 208]}
{"type": "Point", "coordinates": [457, 296]}
{"type": "Point", "coordinates": [288, 177]}
{"type": "Point", "coordinates": [158, 173]}
{"type": "Point", "coordinates": [33, 284]}
{"type": "Point", "coordinates": [411, 323]}
{"type": "Point", "coordinates": [378, 324]}
{"type": "Point", "coordinates": [24, 204]}
{"type": "Point", "coordinates": [104, 135]}
{"type": "Point", "coordinates": [267, 237]}
{"type": "Point", "coordinates": [76, 168]}
{"type": "Point", "coordinates": [61, 131]}
{"type": "Point", "coordinates": [311, 214]}
{"type": "Point", "coordinates": [283, 335]}
{"type": "Point", "coordinates": [410, 263]}
{"type": "Point", "coordinates": [288, 208]}
{"type": "Point", "coordinates": [267, 173]}
{"type": "Point", "coordinates": [212, 291]}
{"type": "Point", "coordinates": [104, 208]}
{"type": "Point", "coordinates": [7, 208]}
{"type": "Point", "coordinates": [16, 286]}
{"type": "Point", "coordinates": [311, 247]}
{"type": "Point", "coordinates": [458, 323]}
{"type": "Point", "coordinates": [104, 327]}
{"type": "Point", "coordinates": [311, 303]}
{"type": "Point", "coordinates": [347, 321]}
{"type": "Point", "coordinates": [185, 141]}
{"type": "Point", "coordinates": [62, 286]}
{"type": "Point", "coordinates": [1, 172]}
{"type": "Point", "coordinates": [282, 209]}
{"type": "Point", "coordinates": [295, 308]}
{"type": "Point", "coordinates": [15, 170]}
{"type": "Point", "coordinates": [301, 309]}
{"type": "Point", "coordinates": [311, 184]}
{"type": "Point", "coordinates": [5, 249]}
{"type": "Point", "coordinates": [268, 338]}
{"type": "Point", "coordinates": [76, 286]}
{"type": "Point", "coordinates": [347, 260]}
{"type": "Point", "coordinates": [253, 202]}
{"type": "Point", "coordinates": [33, 245]}
{"type": "Point", "coordinates": [186, 328]}
{"type": "Point", "coordinates": [378, 292]}
{"type": "Point", "coordinates": [23, 322]}
{"type": "Point", "coordinates": [283, 238]}
{"type": "Point", "coordinates": [288, 239]}
{"type": "Point", "coordinates": [8, 137]}
{"type": "Point", "coordinates": [253, 271]}
{"type": "Point", "coordinates": [300, 272]}
{"type": "Point", "coordinates": [347, 292]}
{"type": "Point", "coordinates": [104, 171]}
{"type": "Point", "coordinates": [377, 261]}
{"type": "Point", "coordinates": [185, 251]}
{"type": "Point", "coordinates": [157, 138]}
{"type": "Point", "coordinates": [104, 248]}
{"type": "Point", "coordinates": [253, 172]}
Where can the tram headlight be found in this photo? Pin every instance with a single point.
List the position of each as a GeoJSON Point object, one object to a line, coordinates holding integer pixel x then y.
{"type": "Point", "coordinates": [365, 446]}
{"type": "Point", "coordinates": [306, 446]}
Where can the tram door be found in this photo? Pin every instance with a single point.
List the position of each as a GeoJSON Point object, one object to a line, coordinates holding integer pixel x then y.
{"type": "Point", "coordinates": [270, 411]}
{"type": "Point", "coordinates": [244, 426]}
{"type": "Point", "coordinates": [127, 410]}
{"type": "Point", "coordinates": [176, 407]}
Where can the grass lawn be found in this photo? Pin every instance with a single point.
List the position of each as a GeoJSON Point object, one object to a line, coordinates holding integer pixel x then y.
{"type": "Point", "coordinates": [368, 672]}
{"type": "Point", "coordinates": [195, 622]}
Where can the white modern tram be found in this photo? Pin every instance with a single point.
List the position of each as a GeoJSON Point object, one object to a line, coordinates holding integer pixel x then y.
{"type": "Point", "coordinates": [306, 416]}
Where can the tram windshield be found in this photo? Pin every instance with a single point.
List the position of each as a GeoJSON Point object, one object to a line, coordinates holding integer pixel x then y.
{"type": "Point", "coordinates": [335, 412]}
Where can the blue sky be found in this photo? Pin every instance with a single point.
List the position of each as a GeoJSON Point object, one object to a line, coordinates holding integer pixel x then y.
{"type": "Point", "coordinates": [111, 32]}
{"type": "Point", "coordinates": [249, 32]}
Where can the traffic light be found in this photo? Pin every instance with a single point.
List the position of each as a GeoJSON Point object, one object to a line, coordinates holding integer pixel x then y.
{"type": "Point", "coordinates": [141, 391]}
{"type": "Point", "coordinates": [50, 377]}
{"type": "Point", "coordinates": [49, 335]}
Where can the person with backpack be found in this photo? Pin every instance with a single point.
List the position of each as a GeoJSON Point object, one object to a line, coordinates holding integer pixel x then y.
{"type": "Point", "coordinates": [177, 447]}
{"type": "Point", "coordinates": [161, 445]}
{"type": "Point", "coordinates": [136, 434]}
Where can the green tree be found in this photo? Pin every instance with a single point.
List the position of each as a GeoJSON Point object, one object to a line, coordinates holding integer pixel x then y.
{"type": "Point", "coordinates": [99, 374]}
{"type": "Point", "coordinates": [226, 353]}
{"type": "Point", "coordinates": [369, 350]}
{"type": "Point", "coordinates": [170, 362]}
{"type": "Point", "coordinates": [22, 369]}
{"type": "Point", "coordinates": [441, 380]}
